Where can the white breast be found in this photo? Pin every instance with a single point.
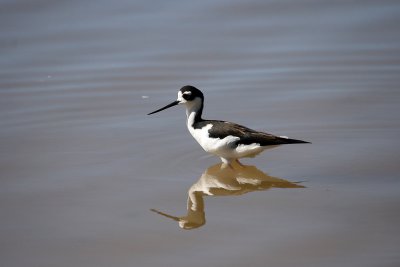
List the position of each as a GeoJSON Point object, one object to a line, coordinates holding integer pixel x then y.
{"type": "Point", "coordinates": [217, 146]}
{"type": "Point", "coordinates": [221, 147]}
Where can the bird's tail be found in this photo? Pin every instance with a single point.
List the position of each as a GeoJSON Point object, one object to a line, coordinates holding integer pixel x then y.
{"type": "Point", "coordinates": [286, 140]}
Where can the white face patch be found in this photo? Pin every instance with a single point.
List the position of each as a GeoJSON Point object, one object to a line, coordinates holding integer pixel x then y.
{"type": "Point", "coordinates": [180, 96]}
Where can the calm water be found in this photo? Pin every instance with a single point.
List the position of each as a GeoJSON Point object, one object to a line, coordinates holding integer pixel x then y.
{"type": "Point", "coordinates": [82, 167]}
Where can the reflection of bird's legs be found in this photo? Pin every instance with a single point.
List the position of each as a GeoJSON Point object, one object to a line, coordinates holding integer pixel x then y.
{"type": "Point", "coordinates": [227, 165]}
{"type": "Point", "coordinates": [239, 163]}
{"type": "Point", "coordinates": [231, 163]}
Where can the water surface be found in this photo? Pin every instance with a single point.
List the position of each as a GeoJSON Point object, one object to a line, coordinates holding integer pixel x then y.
{"type": "Point", "coordinates": [81, 164]}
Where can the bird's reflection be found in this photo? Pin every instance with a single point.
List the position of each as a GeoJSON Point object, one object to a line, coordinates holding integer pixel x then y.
{"type": "Point", "coordinates": [218, 180]}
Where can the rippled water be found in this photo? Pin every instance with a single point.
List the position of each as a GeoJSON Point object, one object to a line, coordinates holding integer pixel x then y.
{"type": "Point", "coordinates": [82, 166]}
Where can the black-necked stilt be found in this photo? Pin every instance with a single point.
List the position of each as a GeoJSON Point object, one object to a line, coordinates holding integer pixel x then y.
{"type": "Point", "coordinates": [227, 140]}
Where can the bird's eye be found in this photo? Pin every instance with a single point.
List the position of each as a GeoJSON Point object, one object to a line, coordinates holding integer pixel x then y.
{"type": "Point", "coordinates": [187, 96]}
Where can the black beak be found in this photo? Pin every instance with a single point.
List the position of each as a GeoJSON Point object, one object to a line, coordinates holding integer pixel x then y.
{"type": "Point", "coordinates": [167, 106]}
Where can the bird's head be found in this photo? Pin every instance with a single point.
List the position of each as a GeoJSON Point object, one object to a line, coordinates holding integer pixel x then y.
{"type": "Point", "coordinates": [188, 95]}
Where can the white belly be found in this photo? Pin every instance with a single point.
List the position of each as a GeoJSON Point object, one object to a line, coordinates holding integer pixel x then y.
{"type": "Point", "coordinates": [212, 145]}
{"type": "Point", "coordinates": [224, 147]}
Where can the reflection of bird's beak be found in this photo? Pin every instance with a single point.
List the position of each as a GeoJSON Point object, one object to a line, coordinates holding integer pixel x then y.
{"type": "Point", "coordinates": [166, 215]}
{"type": "Point", "coordinates": [167, 106]}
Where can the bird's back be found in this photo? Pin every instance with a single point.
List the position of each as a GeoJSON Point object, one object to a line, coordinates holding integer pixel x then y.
{"type": "Point", "coordinates": [246, 136]}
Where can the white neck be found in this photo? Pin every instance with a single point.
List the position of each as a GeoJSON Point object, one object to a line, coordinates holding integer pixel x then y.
{"type": "Point", "coordinates": [190, 118]}
{"type": "Point", "coordinates": [192, 111]}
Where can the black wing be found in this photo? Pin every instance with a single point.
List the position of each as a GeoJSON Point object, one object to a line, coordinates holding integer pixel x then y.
{"type": "Point", "coordinates": [247, 136]}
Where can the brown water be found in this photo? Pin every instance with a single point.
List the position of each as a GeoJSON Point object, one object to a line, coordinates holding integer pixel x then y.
{"type": "Point", "coordinates": [82, 165]}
